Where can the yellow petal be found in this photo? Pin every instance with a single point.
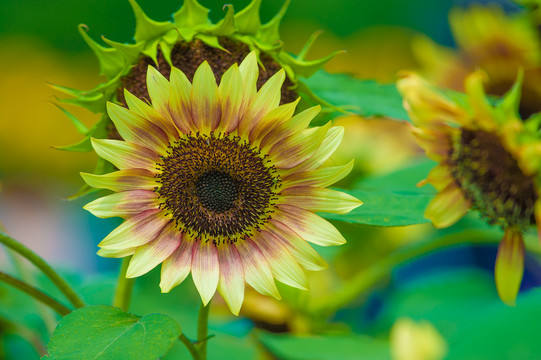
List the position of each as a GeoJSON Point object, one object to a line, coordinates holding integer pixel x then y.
{"type": "Point", "coordinates": [206, 110]}
{"type": "Point", "coordinates": [447, 207]}
{"type": "Point", "coordinates": [509, 266]}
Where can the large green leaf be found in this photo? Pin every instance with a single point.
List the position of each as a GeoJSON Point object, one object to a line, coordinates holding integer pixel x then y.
{"type": "Point", "coordinates": [105, 332]}
{"type": "Point", "coordinates": [330, 347]}
{"type": "Point", "coordinates": [391, 200]}
{"type": "Point", "coordinates": [362, 97]}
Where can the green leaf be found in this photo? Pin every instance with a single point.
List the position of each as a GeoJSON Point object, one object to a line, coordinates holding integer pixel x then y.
{"type": "Point", "coordinates": [362, 97]}
{"type": "Point", "coordinates": [104, 332]}
{"type": "Point", "coordinates": [390, 200]}
{"type": "Point", "coordinates": [329, 347]}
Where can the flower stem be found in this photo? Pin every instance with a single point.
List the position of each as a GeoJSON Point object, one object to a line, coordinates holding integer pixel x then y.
{"type": "Point", "coordinates": [41, 264]}
{"type": "Point", "coordinates": [124, 286]}
{"type": "Point", "coordinates": [35, 293]}
{"type": "Point", "coordinates": [190, 346]}
{"type": "Point", "coordinates": [202, 331]}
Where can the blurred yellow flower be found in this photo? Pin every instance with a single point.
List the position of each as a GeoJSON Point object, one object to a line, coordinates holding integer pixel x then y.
{"type": "Point", "coordinates": [412, 340]}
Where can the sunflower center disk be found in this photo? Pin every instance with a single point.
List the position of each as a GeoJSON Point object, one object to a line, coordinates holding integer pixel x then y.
{"type": "Point", "coordinates": [216, 188]}
{"type": "Point", "coordinates": [491, 178]}
{"type": "Point", "coordinates": [217, 191]}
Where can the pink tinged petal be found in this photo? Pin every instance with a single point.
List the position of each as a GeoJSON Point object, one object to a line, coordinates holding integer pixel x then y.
{"type": "Point", "coordinates": [122, 180]}
{"type": "Point", "coordinates": [308, 225]}
{"type": "Point", "coordinates": [509, 266]}
{"type": "Point", "coordinates": [295, 149]}
{"type": "Point", "coordinates": [125, 155]}
{"type": "Point", "coordinates": [148, 256]}
{"type": "Point", "coordinates": [319, 199]}
{"type": "Point", "coordinates": [206, 110]}
{"type": "Point", "coordinates": [176, 267]}
{"type": "Point", "coordinates": [136, 129]}
{"type": "Point", "coordinates": [326, 149]}
{"type": "Point", "coordinates": [123, 204]}
{"type": "Point", "coordinates": [282, 130]}
{"type": "Point", "coordinates": [116, 253]}
{"type": "Point", "coordinates": [322, 177]}
{"type": "Point", "coordinates": [230, 92]}
{"type": "Point", "coordinates": [257, 271]}
{"type": "Point", "coordinates": [305, 255]}
{"type": "Point", "coordinates": [249, 71]}
{"type": "Point", "coordinates": [231, 283]}
{"type": "Point", "coordinates": [205, 269]}
{"type": "Point", "coordinates": [159, 90]}
{"type": "Point", "coordinates": [161, 119]}
{"type": "Point", "coordinates": [283, 265]}
{"type": "Point", "coordinates": [278, 118]}
{"type": "Point", "coordinates": [447, 207]}
{"type": "Point", "coordinates": [266, 99]}
{"type": "Point", "coordinates": [180, 100]}
{"type": "Point", "coordinates": [136, 231]}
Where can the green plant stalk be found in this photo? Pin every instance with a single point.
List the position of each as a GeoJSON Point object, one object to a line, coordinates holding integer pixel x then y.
{"type": "Point", "coordinates": [124, 286]}
{"type": "Point", "coordinates": [26, 333]}
{"type": "Point", "coordinates": [190, 346]}
{"type": "Point", "coordinates": [41, 264]}
{"type": "Point", "coordinates": [35, 293]}
{"type": "Point", "coordinates": [202, 331]}
{"type": "Point", "coordinates": [363, 282]}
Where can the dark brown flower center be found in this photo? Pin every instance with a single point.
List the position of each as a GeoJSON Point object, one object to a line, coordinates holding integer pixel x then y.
{"type": "Point", "coordinates": [188, 56]}
{"type": "Point", "coordinates": [491, 178]}
{"type": "Point", "coordinates": [217, 188]}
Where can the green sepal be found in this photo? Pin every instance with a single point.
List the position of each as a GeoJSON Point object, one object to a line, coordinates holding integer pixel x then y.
{"type": "Point", "coordinates": [307, 68]}
{"type": "Point", "coordinates": [167, 44]}
{"type": "Point", "coordinates": [269, 33]}
{"type": "Point", "coordinates": [102, 167]}
{"type": "Point", "coordinates": [145, 28]}
{"type": "Point", "coordinates": [81, 128]}
{"type": "Point", "coordinates": [304, 89]}
{"type": "Point", "coordinates": [189, 18]}
{"type": "Point", "coordinates": [247, 21]}
{"type": "Point", "coordinates": [110, 60]}
{"type": "Point", "coordinates": [67, 90]}
{"type": "Point", "coordinates": [510, 102]}
{"type": "Point", "coordinates": [131, 52]}
{"type": "Point", "coordinates": [81, 146]}
{"type": "Point", "coordinates": [211, 40]}
{"type": "Point", "coordinates": [94, 102]}
{"type": "Point", "coordinates": [226, 26]}
{"type": "Point", "coordinates": [151, 50]}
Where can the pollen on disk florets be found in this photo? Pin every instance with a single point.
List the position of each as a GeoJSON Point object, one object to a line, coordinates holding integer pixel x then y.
{"type": "Point", "coordinates": [492, 180]}
{"type": "Point", "coordinates": [216, 186]}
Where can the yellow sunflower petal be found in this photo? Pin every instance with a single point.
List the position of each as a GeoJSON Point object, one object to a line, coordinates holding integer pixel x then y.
{"type": "Point", "coordinates": [176, 267]}
{"type": "Point", "coordinates": [122, 180]}
{"type": "Point", "coordinates": [249, 72]}
{"type": "Point", "coordinates": [205, 269]}
{"type": "Point", "coordinates": [125, 155]}
{"type": "Point", "coordinates": [308, 225]}
{"type": "Point", "coordinates": [447, 207]}
{"type": "Point", "coordinates": [206, 110]}
{"type": "Point", "coordinates": [320, 199]}
{"type": "Point", "coordinates": [329, 144]}
{"type": "Point", "coordinates": [148, 256]}
{"type": "Point", "coordinates": [231, 284]}
{"type": "Point", "coordinates": [257, 271]}
{"type": "Point", "coordinates": [123, 204]}
{"type": "Point", "coordinates": [277, 118]}
{"type": "Point", "coordinates": [180, 101]}
{"type": "Point", "coordinates": [136, 231]}
{"type": "Point", "coordinates": [116, 253]}
{"type": "Point", "coordinates": [509, 266]}
{"type": "Point", "coordinates": [230, 98]}
{"type": "Point", "coordinates": [322, 177]}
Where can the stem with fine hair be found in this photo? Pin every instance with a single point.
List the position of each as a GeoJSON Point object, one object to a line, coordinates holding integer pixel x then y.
{"type": "Point", "coordinates": [41, 264]}
{"type": "Point", "coordinates": [202, 330]}
{"type": "Point", "coordinates": [35, 293]}
{"type": "Point", "coordinates": [124, 286]}
{"type": "Point", "coordinates": [190, 346]}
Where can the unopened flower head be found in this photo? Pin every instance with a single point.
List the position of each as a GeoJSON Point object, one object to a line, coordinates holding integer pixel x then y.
{"type": "Point", "coordinates": [220, 181]}
{"type": "Point", "coordinates": [488, 160]}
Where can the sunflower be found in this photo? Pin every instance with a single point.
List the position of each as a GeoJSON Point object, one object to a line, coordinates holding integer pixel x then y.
{"type": "Point", "coordinates": [498, 43]}
{"type": "Point", "coordinates": [489, 160]}
{"type": "Point", "coordinates": [186, 41]}
{"type": "Point", "coordinates": [221, 181]}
